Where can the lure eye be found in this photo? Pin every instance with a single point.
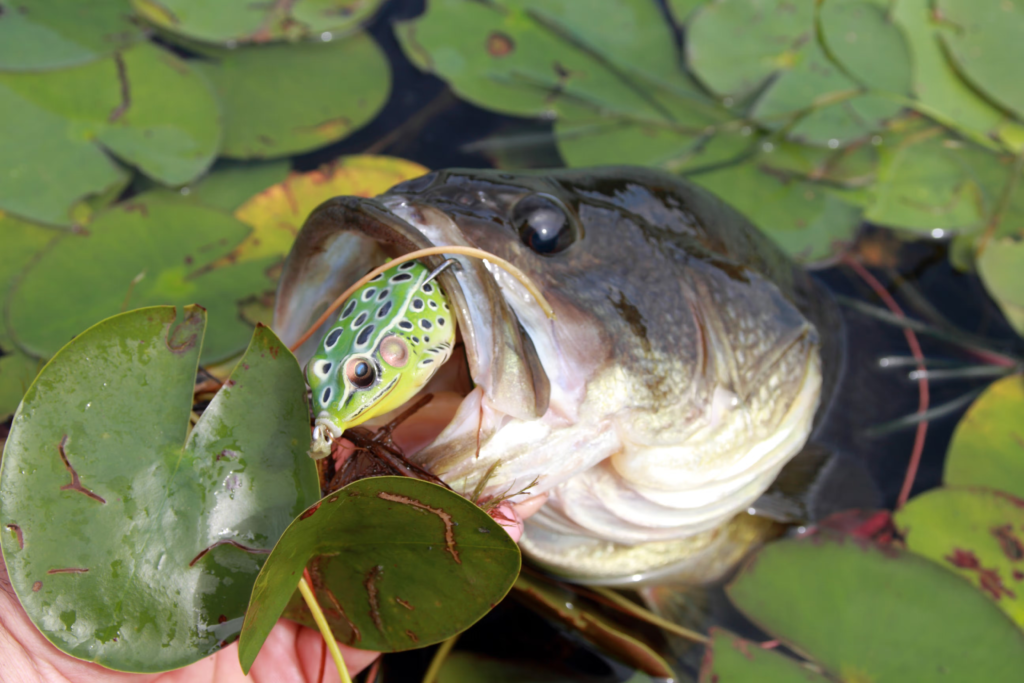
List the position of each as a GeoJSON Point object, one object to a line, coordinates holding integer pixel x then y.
{"type": "Point", "coordinates": [543, 224]}
{"type": "Point", "coordinates": [394, 351]}
{"type": "Point", "coordinates": [360, 372]}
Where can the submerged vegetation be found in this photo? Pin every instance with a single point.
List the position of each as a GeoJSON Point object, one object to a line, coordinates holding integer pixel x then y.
{"type": "Point", "coordinates": [148, 152]}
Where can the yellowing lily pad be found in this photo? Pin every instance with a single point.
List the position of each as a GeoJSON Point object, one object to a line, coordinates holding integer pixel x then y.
{"type": "Point", "coordinates": [987, 448]}
{"type": "Point", "coordinates": [977, 533]}
{"type": "Point", "coordinates": [241, 21]}
{"type": "Point", "coordinates": [277, 213]}
{"type": "Point", "coordinates": [287, 98]}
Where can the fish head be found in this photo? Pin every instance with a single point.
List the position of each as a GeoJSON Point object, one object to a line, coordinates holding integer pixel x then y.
{"type": "Point", "coordinates": [390, 338]}
{"type": "Point", "coordinates": [681, 371]}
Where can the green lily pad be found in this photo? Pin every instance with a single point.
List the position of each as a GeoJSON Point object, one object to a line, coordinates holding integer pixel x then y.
{"type": "Point", "coordinates": [22, 243]}
{"type": "Point", "coordinates": [145, 106]}
{"type": "Point", "coordinates": [939, 90]}
{"type": "Point", "coordinates": [240, 21]}
{"type": "Point", "coordinates": [17, 370]}
{"type": "Point", "coordinates": [734, 46]}
{"type": "Point", "coordinates": [987, 448]}
{"type": "Point", "coordinates": [50, 34]}
{"type": "Point", "coordinates": [139, 253]}
{"type": "Point", "coordinates": [1001, 267]}
{"type": "Point", "coordinates": [986, 38]}
{"type": "Point", "coordinates": [130, 541]}
{"type": "Point", "coordinates": [868, 613]}
{"type": "Point", "coordinates": [852, 167]}
{"type": "Point", "coordinates": [228, 184]}
{"type": "Point", "coordinates": [540, 57]}
{"type": "Point", "coordinates": [976, 533]}
{"type": "Point", "coordinates": [397, 563]}
{"type": "Point", "coordinates": [731, 659]}
{"type": "Point", "coordinates": [682, 9]}
{"type": "Point", "coordinates": [809, 223]}
{"type": "Point", "coordinates": [926, 182]}
{"type": "Point", "coordinates": [867, 44]}
{"type": "Point", "coordinates": [283, 99]}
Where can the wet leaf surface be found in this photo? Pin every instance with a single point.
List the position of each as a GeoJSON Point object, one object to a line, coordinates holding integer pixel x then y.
{"type": "Point", "coordinates": [805, 220]}
{"type": "Point", "coordinates": [242, 21]}
{"type": "Point", "coordinates": [102, 443]}
{"type": "Point", "coordinates": [321, 93]}
{"type": "Point", "coordinates": [49, 34]}
{"type": "Point", "coordinates": [559, 604]}
{"type": "Point", "coordinates": [397, 564]}
{"type": "Point", "coordinates": [732, 659]}
{"type": "Point", "coordinates": [143, 252]}
{"type": "Point", "coordinates": [977, 533]}
{"type": "Point", "coordinates": [986, 37]}
{"type": "Point", "coordinates": [911, 619]}
{"type": "Point", "coordinates": [987, 448]}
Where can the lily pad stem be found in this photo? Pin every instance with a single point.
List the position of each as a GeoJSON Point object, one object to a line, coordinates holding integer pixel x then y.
{"type": "Point", "coordinates": [325, 630]}
{"type": "Point", "coordinates": [519, 275]}
{"type": "Point", "coordinates": [438, 660]}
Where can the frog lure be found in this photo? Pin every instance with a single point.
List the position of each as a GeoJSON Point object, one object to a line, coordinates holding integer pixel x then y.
{"type": "Point", "coordinates": [393, 334]}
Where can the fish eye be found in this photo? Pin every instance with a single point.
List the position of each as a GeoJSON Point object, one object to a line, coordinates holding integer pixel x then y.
{"type": "Point", "coordinates": [543, 224]}
{"type": "Point", "coordinates": [360, 372]}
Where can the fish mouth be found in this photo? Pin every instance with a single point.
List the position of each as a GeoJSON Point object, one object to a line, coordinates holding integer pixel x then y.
{"type": "Point", "coordinates": [494, 374]}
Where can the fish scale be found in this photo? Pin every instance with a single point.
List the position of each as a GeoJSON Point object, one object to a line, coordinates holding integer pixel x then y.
{"type": "Point", "coordinates": [400, 308]}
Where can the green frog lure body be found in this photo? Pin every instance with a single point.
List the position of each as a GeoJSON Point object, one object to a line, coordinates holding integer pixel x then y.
{"type": "Point", "coordinates": [393, 334]}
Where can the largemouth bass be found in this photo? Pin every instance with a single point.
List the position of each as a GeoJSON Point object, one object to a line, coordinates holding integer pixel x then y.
{"type": "Point", "coordinates": [683, 370]}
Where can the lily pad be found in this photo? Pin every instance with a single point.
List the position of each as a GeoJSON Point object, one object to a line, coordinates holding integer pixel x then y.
{"type": "Point", "coordinates": [102, 442]}
{"type": "Point", "coordinates": [17, 370]}
{"type": "Point", "coordinates": [1001, 267]}
{"type": "Point", "coordinates": [939, 90]}
{"type": "Point", "coordinates": [397, 564]}
{"type": "Point", "coordinates": [144, 105]}
{"type": "Point", "coordinates": [277, 213]}
{"type": "Point", "coordinates": [139, 253]}
{"type": "Point", "coordinates": [23, 242]}
{"type": "Point", "coordinates": [987, 448]}
{"type": "Point", "coordinates": [871, 48]}
{"type": "Point", "coordinates": [977, 533]}
{"type": "Point", "coordinates": [241, 21]}
{"type": "Point", "coordinates": [732, 659]}
{"type": "Point", "coordinates": [870, 613]}
{"type": "Point", "coordinates": [851, 167]}
{"type": "Point", "coordinates": [986, 38]}
{"type": "Point", "coordinates": [534, 57]}
{"type": "Point", "coordinates": [228, 184]}
{"type": "Point", "coordinates": [49, 34]}
{"type": "Point", "coordinates": [321, 92]}
{"type": "Point", "coordinates": [806, 221]}
{"type": "Point", "coordinates": [926, 182]}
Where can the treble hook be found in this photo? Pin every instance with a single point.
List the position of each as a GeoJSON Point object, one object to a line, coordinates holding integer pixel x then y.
{"type": "Point", "coordinates": [437, 271]}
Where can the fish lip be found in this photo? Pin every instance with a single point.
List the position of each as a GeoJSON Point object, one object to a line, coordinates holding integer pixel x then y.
{"type": "Point", "coordinates": [475, 292]}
